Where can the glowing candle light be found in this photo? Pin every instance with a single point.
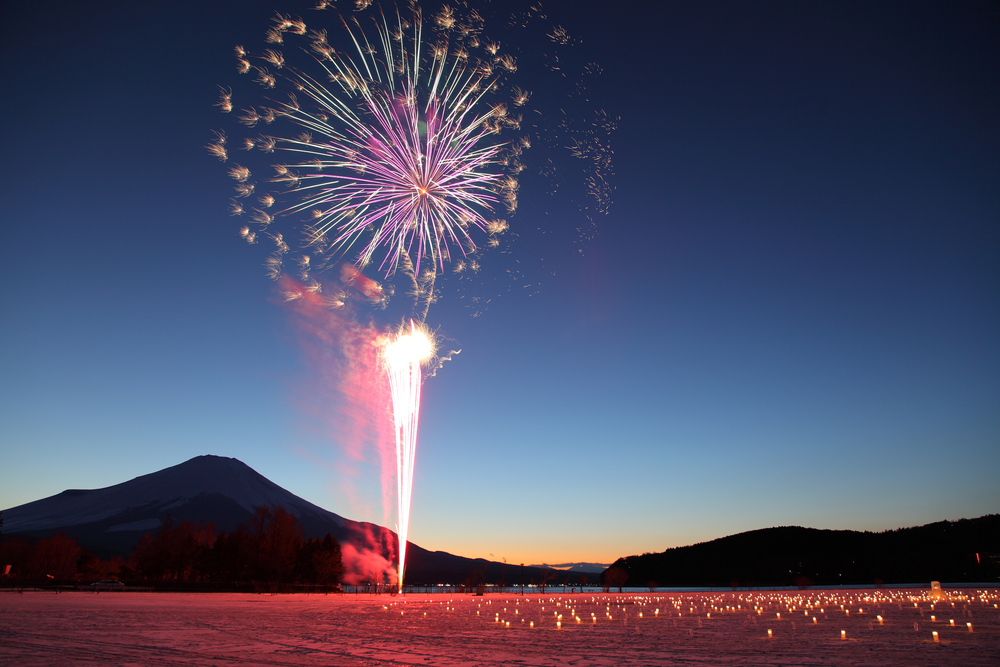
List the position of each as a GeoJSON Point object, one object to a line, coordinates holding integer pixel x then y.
{"type": "Point", "coordinates": [769, 635]}
{"type": "Point", "coordinates": [814, 620]}
{"type": "Point", "coordinates": [969, 625]}
{"type": "Point", "coordinates": [933, 618]}
{"type": "Point", "coordinates": [532, 624]}
{"type": "Point", "coordinates": [880, 620]}
{"type": "Point", "coordinates": [843, 634]}
{"type": "Point", "coordinates": [935, 635]}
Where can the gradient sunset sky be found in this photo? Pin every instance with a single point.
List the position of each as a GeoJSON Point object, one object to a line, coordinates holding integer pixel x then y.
{"type": "Point", "coordinates": [790, 315]}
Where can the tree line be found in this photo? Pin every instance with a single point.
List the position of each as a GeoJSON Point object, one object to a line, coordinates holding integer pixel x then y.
{"type": "Point", "coordinates": [270, 548]}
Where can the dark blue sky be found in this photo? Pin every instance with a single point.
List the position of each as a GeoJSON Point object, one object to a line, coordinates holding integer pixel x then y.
{"type": "Point", "coordinates": [789, 315]}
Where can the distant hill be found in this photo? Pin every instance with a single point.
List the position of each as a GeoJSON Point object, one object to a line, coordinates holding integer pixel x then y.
{"type": "Point", "coordinates": [578, 568]}
{"type": "Point", "coordinates": [948, 551]}
{"type": "Point", "coordinates": [225, 491]}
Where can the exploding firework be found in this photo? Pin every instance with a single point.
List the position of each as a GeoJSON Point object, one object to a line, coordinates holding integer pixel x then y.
{"type": "Point", "coordinates": [402, 155]}
{"type": "Point", "coordinates": [403, 355]}
{"type": "Point", "coordinates": [400, 159]}
{"type": "Point", "coordinates": [409, 146]}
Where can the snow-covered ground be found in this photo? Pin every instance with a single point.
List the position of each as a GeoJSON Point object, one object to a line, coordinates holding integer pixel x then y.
{"type": "Point", "coordinates": [41, 628]}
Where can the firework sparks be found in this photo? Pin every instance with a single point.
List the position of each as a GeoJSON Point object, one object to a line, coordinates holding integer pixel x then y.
{"type": "Point", "coordinates": [399, 163]}
{"type": "Point", "coordinates": [401, 155]}
{"type": "Point", "coordinates": [415, 134]}
{"type": "Point", "coordinates": [400, 158]}
{"type": "Point", "coordinates": [403, 355]}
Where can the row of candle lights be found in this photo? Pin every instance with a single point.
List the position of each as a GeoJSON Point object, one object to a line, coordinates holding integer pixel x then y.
{"type": "Point", "coordinates": [791, 603]}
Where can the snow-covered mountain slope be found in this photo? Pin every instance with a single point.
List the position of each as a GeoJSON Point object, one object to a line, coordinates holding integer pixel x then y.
{"type": "Point", "coordinates": [230, 487]}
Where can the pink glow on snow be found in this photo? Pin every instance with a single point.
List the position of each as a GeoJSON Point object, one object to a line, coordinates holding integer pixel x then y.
{"type": "Point", "coordinates": [452, 630]}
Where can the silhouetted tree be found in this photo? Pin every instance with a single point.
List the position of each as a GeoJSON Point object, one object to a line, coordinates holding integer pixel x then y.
{"type": "Point", "coordinates": [90, 567]}
{"type": "Point", "coordinates": [258, 523]}
{"type": "Point", "coordinates": [15, 551]}
{"type": "Point", "coordinates": [545, 577]}
{"type": "Point", "coordinates": [476, 578]}
{"type": "Point", "coordinates": [54, 556]}
{"type": "Point", "coordinates": [280, 543]}
{"type": "Point", "coordinates": [268, 548]}
{"type": "Point", "coordinates": [110, 568]}
{"type": "Point", "coordinates": [231, 557]}
{"type": "Point", "coordinates": [147, 559]}
{"type": "Point", "coordinates": [328, 562]}
{"type": "Point", "coordinates": [502, 581]}
{"type": "Point", "coordinates": [178, 552]}
{"type": "Point", "coordinates": [614, 576]}
{"type": "Point", "coordinates": [319, 561]}
{"type": "Point", "coordinates": [87, 565]}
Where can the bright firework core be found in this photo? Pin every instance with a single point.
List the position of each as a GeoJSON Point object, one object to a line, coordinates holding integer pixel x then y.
{"type": "Point", "coordinates": [403, 355]}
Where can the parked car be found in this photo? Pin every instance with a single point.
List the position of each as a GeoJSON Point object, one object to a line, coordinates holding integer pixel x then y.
{"type": "Point", "coordinates": [107, 585]}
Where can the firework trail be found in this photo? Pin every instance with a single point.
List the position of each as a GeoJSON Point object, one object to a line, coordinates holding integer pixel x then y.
{"type": "Point", "coordinates": [403, 354]}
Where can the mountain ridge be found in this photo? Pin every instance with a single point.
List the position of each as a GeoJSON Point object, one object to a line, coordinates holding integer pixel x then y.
{"type": "Point", "coordinates": [110, 521]}
{"type": "Point", "coordinates": [967, 550]}
{"type": "Point", "coordinates": [169, 488]}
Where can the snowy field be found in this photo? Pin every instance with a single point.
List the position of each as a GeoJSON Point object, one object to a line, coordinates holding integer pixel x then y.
{"type": "Point", "coordinates": [41, 628]}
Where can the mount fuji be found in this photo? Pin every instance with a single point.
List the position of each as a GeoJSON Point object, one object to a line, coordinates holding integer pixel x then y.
{"type": "Point", "coordinates": [206, 488]}
{"type": "Point", "coordinates": [112, 520]}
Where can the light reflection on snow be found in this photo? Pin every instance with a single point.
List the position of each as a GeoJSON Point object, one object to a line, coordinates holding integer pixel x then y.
{"type": "Point", "coordinates": [624, 629]}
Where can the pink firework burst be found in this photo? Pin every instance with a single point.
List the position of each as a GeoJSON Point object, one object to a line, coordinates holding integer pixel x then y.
{"type": "Point", "coordinates": [401, 155]}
